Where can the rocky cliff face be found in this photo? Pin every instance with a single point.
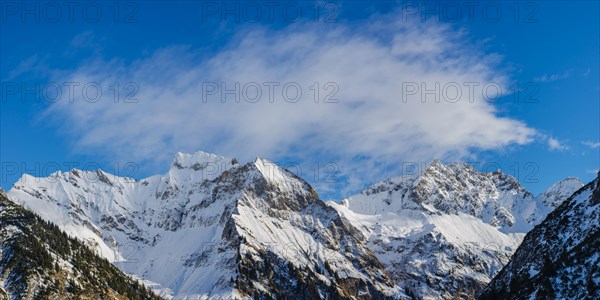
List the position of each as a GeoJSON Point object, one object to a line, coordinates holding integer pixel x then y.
{"type": "Point", "coordinates": [212, 229]}
{"type": "Point", "coordinates": [559, 258]}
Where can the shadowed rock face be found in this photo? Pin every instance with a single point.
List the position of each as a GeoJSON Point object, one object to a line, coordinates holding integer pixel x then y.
{"type": "Point", "coordinates": [559, 258]}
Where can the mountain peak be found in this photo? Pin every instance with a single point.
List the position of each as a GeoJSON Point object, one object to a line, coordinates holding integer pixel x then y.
{"type": "Point", "coordinates": [436, 163]}
{"type": "Point", "coordinates": [298, 192]}
{"type": "Point", "coordinates": [568, 181]}
{"type": "Point", "coordinates": [270, 170]}
{"type": "Point", "coordinates": [450, 167]}
{"type": "Point", "coordinates": [560, 191]}
{"type": "Point", "coordinates": [196, 161]}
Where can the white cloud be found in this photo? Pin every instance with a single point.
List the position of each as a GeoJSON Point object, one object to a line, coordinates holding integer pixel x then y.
{"type": "Point", "coordinates": [83, 40]}
{"type": "Point", "coordinates": [553, 77]}
{"type": "Point", "coordinates": [555, 144]}
{"type": "Point", "coordinates": [33, 63]}
{"type": "Point", "coordinates": [591, 144]}
{"type": "Point", "coordinates": [368, 62]}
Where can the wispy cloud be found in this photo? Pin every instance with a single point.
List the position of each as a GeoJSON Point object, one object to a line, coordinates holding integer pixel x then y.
{"type": "Point", "coordinates": [367, 64]}
{"type": "Point", "coordinates": [553, 77]}
{"type": "Point", "coordinates": [591, 144]}
{"type": "Point", "coordinates": [84, 40]}
{"type": "Point", "coordinates": [33, 63]}
{"type": "Point", "coordinates": [555, 144]}
{"type": "Point", "coordinates": [587, 72]}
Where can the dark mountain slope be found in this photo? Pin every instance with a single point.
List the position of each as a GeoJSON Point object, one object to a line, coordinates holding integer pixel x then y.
{"type": "Point", "coordinates": [39, 261]}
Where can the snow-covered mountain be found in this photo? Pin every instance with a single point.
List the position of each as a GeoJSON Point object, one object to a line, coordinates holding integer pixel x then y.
{"type": "Point", "coordinates": [213, 228]}
{"type": "Point", "coordinates": [559, 258]}
{"type": "Point", "coordinates": [560, 191]}
{"type": "Point", "coordinates": [448, 231]}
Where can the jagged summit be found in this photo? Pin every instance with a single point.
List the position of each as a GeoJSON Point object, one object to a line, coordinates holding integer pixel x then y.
{"type": "Point", "coordinates": [197, 160]}
{"type": "Point", "coordinates": [456, 166]}
{"type": "Point", "coordinates": [446, 188]}
{"type": "Point", "coordinates": [459, 169]}
{"type": "Point", "coordinates": [495, 197]}
{"type": "Point", "coordinates": [560, 191]}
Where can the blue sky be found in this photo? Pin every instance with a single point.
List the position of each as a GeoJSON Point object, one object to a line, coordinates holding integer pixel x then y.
{"type": "Point", "coordinates": [364, 57]}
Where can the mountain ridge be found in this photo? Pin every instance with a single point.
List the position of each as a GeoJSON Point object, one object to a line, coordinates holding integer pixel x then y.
{"type": "Point", "coordinates": [467, 222]}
